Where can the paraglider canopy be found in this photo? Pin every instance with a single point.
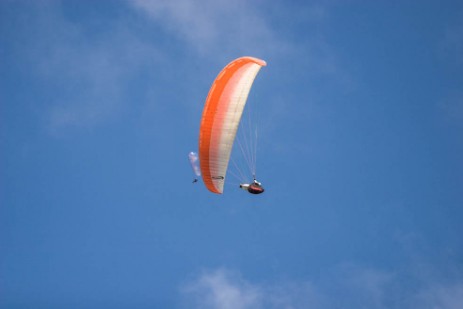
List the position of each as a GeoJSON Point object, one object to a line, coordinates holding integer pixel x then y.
{"type": "Point", "coordinates": [221, 117]}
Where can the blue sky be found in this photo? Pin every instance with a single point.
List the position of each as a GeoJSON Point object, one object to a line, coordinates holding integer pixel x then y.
{"type": "Point", "coordinates": [360, 153]}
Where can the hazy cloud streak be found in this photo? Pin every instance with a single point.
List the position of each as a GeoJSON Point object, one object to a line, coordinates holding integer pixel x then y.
{"type": "Point", "coordinates": [87, 70]}
{"type": "Point", "coordinates": [345, 286]}
{"type": "Point", "coordinates": [215, 26]}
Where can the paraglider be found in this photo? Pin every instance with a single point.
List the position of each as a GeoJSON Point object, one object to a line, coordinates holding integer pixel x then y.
{"type": "Point", "coordinates": [220, 120]}
{"type": "Point", "coordinates": [193, 157]}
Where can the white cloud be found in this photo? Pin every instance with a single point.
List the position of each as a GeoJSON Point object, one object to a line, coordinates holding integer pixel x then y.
{"type": "Point", "coordinates": [224, 289]}
{"type": "Point", "coordinates": [344, 286]}
{"type": "Point", "coordinates": [213, 26]}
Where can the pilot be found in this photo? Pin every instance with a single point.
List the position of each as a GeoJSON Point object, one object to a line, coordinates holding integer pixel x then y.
{"type": "Point", "coordinates": [255, 187]}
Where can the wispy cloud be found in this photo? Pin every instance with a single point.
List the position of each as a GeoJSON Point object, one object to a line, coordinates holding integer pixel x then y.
{"type": "Point", "coordinates": [451, 45]}
{"type": "Point", "coordinates": [451, 53]}
{"type": "Point", "coordinates": [452, 107]}
{"type": "Point", "coordinates": [344, 286]}
{"type": "Point", "coordinates": [441, 297]}
{"type": "Point", "coordinates": [223, 288]}
{"type": "Point", "coordinates": [84, 68]}
{"type": "Point", "coordinates": [213, 26]}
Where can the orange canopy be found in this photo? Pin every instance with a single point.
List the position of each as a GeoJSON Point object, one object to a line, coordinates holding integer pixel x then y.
{"type": "Point", "coordinates": [221, 117]}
